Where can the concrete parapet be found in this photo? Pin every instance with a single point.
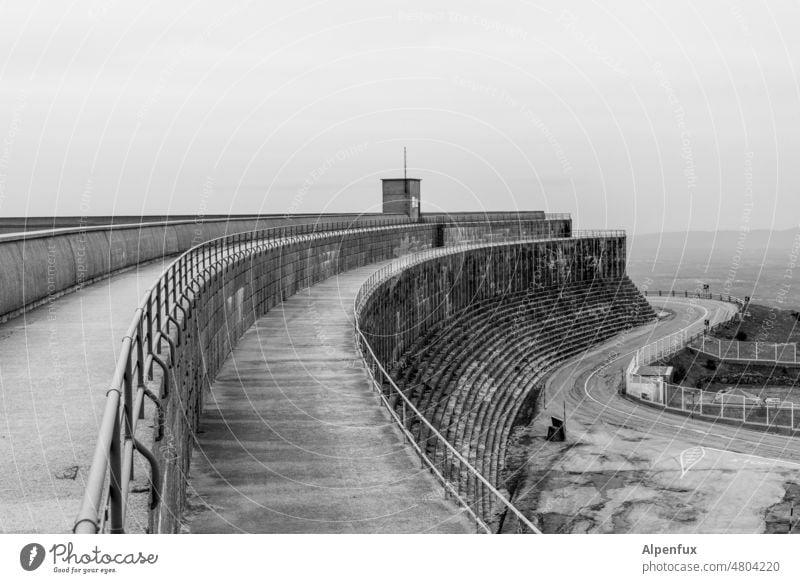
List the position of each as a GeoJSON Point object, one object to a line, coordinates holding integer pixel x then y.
{"type": "Point", "coordinates": [39, 266]}
{"type": "Point", "coordinates": [224, 304]}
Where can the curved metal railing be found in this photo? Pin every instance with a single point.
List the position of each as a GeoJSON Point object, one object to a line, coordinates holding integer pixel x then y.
{"type": "Point", "coordinates": [388, 390]}
{"type": "Point", "coordinates": [165, 305]}
{"type": "Point", "coordinates": [712, 406]}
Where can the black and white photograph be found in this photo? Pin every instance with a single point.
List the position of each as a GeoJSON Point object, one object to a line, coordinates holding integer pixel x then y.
{"type": "Point", "coordinates": [322, 280]}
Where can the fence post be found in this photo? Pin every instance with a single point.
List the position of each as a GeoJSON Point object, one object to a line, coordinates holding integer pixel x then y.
{"type": "Point", "coordinates": [744, 409]}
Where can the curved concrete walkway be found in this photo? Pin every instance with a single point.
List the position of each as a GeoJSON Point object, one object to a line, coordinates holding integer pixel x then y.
{"type": "Point", "coordinates": [293, 439]}
{"type": "Point", "coordinates": [55, 366]}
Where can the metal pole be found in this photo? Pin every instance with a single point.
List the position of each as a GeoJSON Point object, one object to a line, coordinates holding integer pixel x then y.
{"type": "Point", "coordinates": [150, 322]}
{"type": "Point", "coordinates": [114, 486]}
{"type": "Point", "coordinates": [158, 314]}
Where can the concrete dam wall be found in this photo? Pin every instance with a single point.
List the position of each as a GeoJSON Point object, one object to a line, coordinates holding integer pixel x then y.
{"type": "Point", "coordinates": [225, 298]}
{"type": "Point", "coordinates": [464, 340]}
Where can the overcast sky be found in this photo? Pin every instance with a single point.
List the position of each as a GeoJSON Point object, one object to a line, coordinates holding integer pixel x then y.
{"type": "Point", "coordinates": [645, 116]}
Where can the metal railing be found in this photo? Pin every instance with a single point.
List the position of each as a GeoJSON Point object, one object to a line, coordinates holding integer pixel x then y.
{"type": "Point", "coordinates": [158, 324]}
{"type": "Point", "coordinates": [752, 352]}
{"type": "Point", "coordinates": [696, 295]}
{"type": "Point", "coordinates": [731, 406]}
{"type": "Point", "coordinates": [164, 308]}
{"type": "Point", "coordinates": [407, 261]}
{"type": "Point", "coordinates": [702, 403]}
{"type": "Point", "coordinates": [669, 345]}
{"type": "Point", "coordinates": [393, 397]}
{"type": "Point", "coordinates": [594, 233]}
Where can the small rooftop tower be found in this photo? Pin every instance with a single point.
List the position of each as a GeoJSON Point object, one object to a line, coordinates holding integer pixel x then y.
{"type": "Point", "coordinates": [401, 195]}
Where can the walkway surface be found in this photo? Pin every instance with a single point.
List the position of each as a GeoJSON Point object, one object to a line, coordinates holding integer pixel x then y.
{"type": "Point", "coordinates": [629, 468]}
{"type": "Point", "coordinates": [293, 438]}
{"type": "Point", "coordinates": [55, 366]}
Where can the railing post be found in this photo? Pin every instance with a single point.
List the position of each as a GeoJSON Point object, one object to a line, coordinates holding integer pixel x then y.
{"type": "Point", "coordinates": [185, 276]}
{"type": "Point", "coordinates": [128, 410]}
{"type": "Point", "coordinates": [158, 313]}
{"type": "Point", "coordinates": [149, 316]}
{"type": "Point", "coordinates": [139, 352]}
{"type": "Point", "coordinates": [114, 486]}
{"type": "Point", "coordinates": [167, 290]}
{"type": "Point", "coordinates": [174, 292]}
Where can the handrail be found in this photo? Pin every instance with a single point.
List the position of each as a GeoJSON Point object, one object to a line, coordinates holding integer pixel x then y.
{"type": "Point", "coordinates": [702, 403]}
{"type": "Point", "coordinates": [407, 261]}
{"type": "Point", "coordinates": [669, 345]}
{"type": "Point", "coordinates": [359, 301]}
{"type": "Point", "coordinates": [58, 231]}
{"type": "Point", "coordinates": [107, 484]}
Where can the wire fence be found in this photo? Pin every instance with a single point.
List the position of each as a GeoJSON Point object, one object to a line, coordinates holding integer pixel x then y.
{"type": "Point", "coordinates": [733, 406]}
{"type": "Point", "coordinates": [730, 405]}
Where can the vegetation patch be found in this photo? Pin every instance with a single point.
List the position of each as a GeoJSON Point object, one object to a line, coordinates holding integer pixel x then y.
{"type": "Point", "coordinates": [763, 324]}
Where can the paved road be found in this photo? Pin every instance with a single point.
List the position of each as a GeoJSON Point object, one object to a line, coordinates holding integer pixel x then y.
{"type": "Point", "coordinates": [294, 439]}
{"type": "Point", "coordinates": [629, 468]}
{"type": "Point", "coordinates": [598, 398]}
{"type": "Point", "coordinates": [55, 365]}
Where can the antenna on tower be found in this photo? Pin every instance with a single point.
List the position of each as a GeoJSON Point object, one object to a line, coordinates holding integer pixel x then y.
{"type": "Point", "coordinates": [405, 171]}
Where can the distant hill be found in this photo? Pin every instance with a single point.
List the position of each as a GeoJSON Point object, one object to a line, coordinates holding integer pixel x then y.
{"type": "Point", "coordinates": [756, 264]}
{"type": "Point", "coordinates": [718, 240]}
